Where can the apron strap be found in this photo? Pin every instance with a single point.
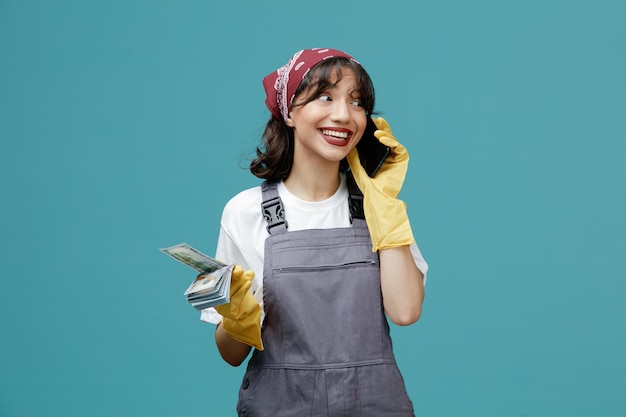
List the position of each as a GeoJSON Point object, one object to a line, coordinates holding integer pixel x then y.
{"type": "Point", "coordinates": [274, 211]}
{"type": "Point", "coordinates": [355, 200]}
{"type": "Point", "coordinates": [272, 208]}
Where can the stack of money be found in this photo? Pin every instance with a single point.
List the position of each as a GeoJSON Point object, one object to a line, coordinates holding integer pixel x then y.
{"type": "Point", "coordinates": [210, 289]}
{"type": "Point", "coordinates": [212, 286]}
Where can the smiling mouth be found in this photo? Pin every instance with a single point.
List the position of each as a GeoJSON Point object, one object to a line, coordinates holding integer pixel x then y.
{"type": "Point", "coordinates": [335, 134]}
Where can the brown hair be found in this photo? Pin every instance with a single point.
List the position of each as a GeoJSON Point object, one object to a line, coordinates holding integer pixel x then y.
{"type": "Point", "coordinates": [275, 156]}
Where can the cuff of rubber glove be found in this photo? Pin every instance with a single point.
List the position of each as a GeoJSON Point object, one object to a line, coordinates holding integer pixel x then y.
{"type": "Point", "coordinates": [396, 230]}
{"type": "Point", "coordinates": [239, 333]}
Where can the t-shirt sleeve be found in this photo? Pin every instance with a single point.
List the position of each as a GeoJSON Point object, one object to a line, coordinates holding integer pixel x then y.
{"type": "Point", "coordinates": [419, 260]}
{"type": "Point", "coordinates": [241, 231]}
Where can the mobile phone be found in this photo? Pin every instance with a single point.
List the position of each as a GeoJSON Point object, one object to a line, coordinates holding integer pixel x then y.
{"type": "Point", "coordinates": [372, 153]}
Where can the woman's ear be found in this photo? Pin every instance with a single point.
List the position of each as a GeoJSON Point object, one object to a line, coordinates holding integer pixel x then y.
{"type": "Point", "coordinates": [289, 121]}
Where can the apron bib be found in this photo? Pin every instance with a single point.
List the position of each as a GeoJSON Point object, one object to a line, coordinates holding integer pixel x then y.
{"type": "Point", "coordinates": [327, 346]}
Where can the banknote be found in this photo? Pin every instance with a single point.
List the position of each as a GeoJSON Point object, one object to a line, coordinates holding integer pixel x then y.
{"type": "Point", "coordinates": [212, 286]}
{"type": "Point", "coordinates": [192, 257]}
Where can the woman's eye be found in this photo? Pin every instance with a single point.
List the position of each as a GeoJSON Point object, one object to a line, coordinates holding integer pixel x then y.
{"type": "Point", "coordinates": [325, 97]}
{"type": "Point", "coordinates": [357, 103]}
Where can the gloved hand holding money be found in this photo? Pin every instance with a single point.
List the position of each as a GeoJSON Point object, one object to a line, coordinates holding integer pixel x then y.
{"type": "Point", "coordinates": [242, 315]}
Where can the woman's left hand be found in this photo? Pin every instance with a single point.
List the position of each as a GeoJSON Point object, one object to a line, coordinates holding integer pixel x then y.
{"type": "Point", "coordinates": [385, 215]}
{"type": "Point", "coordinates": [391, 174]}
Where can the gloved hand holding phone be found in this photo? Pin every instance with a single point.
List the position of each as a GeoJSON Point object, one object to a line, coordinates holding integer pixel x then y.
{"type": "Point", "coordinates": [385, 215]}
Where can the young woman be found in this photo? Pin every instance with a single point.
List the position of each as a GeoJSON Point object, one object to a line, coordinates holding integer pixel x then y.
{"type": "Point", "coordinates": [324, 253]}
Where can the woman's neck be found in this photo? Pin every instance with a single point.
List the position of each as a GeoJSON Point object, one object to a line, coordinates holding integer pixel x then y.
{"type": "Point", "coordinates": [311, 185]}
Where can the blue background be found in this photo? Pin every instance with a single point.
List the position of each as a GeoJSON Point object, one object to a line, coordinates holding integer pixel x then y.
{"type": "Point", "coordinates": [126, 126]}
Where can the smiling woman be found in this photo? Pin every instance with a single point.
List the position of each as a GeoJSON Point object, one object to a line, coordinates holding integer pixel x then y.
{"type": "Point", "coordinates": [324, 252]}
{"type": "Point", "coordinates": [275, 161]}
{"type": "Point", "coordinates": [326, 127]}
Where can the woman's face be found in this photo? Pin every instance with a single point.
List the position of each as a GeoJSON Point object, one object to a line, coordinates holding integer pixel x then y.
{"type": "Point", "coordinates": [328, 127]}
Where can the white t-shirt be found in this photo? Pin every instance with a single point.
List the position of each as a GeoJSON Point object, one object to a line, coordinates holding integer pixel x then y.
{"type": "Point", "coordinates": [243, 231]}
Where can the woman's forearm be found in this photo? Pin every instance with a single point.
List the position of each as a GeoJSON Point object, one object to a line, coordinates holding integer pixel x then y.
{"type": "Point", "coordinates": [232, 351]}
{"type": "Point", "coordinates": [402, 285]}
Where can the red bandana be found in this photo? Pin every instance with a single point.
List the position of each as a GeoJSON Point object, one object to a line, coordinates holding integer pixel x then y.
{"type": "Point", "coordinates": [281, 85]}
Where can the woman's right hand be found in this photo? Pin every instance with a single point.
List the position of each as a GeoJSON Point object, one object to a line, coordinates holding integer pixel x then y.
{"type": "Point", "coordinates": [242, 314]}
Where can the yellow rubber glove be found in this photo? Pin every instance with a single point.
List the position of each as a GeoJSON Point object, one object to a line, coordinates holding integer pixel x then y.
{"type": "Point", "coordinates": [242, 315]}
{"type": "Point", "coordinates": [385, 215]}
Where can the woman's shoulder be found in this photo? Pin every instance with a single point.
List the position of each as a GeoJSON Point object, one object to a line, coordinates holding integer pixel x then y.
{"type": "Point", "coordinates": [242, 221]}
{"type": "Point", "coordinates": [248, 200]}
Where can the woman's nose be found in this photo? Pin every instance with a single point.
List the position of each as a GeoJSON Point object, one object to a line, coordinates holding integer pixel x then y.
{"type": "Point", "coordinates": [340, 111]}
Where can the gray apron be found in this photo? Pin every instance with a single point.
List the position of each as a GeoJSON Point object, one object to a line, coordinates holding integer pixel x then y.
{"type": "Point", "coordinates": [327, 345]}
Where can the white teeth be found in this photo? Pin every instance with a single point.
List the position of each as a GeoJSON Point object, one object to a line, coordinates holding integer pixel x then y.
{"type": "Point", "coordinates": [328, 132]}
